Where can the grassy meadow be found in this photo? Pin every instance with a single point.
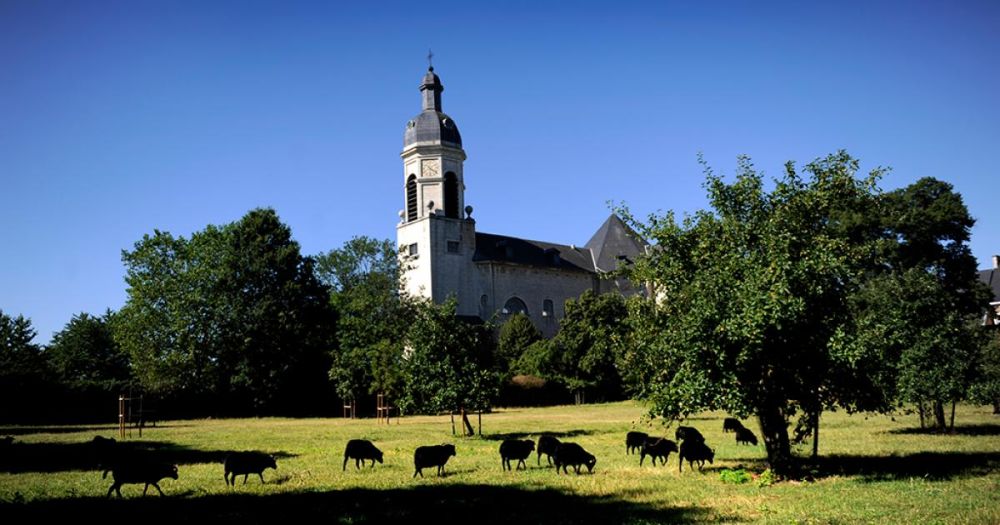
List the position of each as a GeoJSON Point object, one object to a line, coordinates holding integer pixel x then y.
{"type": "Point", "coordinates": [872, 469]}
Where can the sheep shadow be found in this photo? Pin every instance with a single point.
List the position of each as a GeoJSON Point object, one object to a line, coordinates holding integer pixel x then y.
{"type": "Point", "coordinates": [534, 435]}
{"type": "Point", "coordinates": [988, 429]}
{"type": "Point", "coordinates": [59, 457]}
{"type": "Point", "coordinates": [464, 504]}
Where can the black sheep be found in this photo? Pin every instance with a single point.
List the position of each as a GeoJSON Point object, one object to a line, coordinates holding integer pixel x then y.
{"type": "Point", "coordinates": [657, 448]}
{"type": "Point", "coordinates": [634, 441]}
{"type": "Point", "coordinates": [547, 445]}
{"type": "Point", "coordinates": [688, 434]}
{"type": "Point", "coordinates": [573, 455]}
{"type": "Point", "coordinates": [139, 471]}
{"type": "Point", "coordinates": [731, 424]}
{"type": "Point", "coordinates": [105, 452]}
{"type": "Point", "coordinates": [694, 451]}
{"type": "Point", "coordinates": [745, 436]}
{"type": "Point", "coordinates": [360, 450]}
{"type": "Point", "coordinates": [432, 456]}
{"type": "Point", "coordinates": [515, 449]}
{"type": "Point", "coordinates": [247, 463]}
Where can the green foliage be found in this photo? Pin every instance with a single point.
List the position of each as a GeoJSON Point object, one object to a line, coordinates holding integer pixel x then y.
{"type": "Point", "coordinates": [374, 315]}
{"type": "Point", "coordinates": [985, 386]}
{"type": "Point", "coordinates": [20, 357]}
{"type": "Point", "coordinates": [766, 478]}
{"type": "Point", "coordinates": [516, 335]}
{"type": "Point", "coordinates": [750, 295]}
{"type": "Point", "coordinates": [448, 364]}
{"type": "Point", "coordinates": [735, 476]}
{"type": "Point", "coordinates": [583, 355]}
{"type": "Point", "coordinates": [235, 312]}
{"type": "Point", "coordinates": [84, 355]}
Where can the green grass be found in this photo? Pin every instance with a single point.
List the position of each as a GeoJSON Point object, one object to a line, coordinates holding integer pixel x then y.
{"type": "Point", "coordinates": [873, 469]}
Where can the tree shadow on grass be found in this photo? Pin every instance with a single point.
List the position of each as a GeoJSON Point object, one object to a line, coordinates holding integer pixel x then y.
{"type": "Point", "coordinates": [937, 466]}
{"type": "Point", "coordinates": [26, 430]}
{"type": "Point", "coordinates": [465, 504]}
{"type": "Point", "coordinates": [988, 429]}
{"type": "Point", "coordinates": [58, 457]}
{"type": "Point", "coordinates": [534, 435]}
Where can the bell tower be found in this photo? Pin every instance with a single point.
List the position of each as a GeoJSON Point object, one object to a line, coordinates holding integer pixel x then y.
{"type": "Point", "coordinates": [436, 233]}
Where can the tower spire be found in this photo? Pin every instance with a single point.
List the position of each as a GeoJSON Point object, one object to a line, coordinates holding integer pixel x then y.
{"type": "Point", "coordinates": [431, 88]}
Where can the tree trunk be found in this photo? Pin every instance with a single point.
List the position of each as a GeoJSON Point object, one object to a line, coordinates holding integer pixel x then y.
{"type": "Point", "coordinates": [953, 416]}
{"type": "Point", "coordinates": [774, 428]}
{"type": "Point", "coordinates": [480, 423]}
{"type": "Point", "coordinates": [996, 406]}
{"type": "Point", "coordinates": [467, 426]}
{"type": "Point", "coordinates": [815, 435]}
{"type": "Point", "coordinates": [452, 422]}
{"type": "Point", "coordinates": [939, 420]}
{"type": "Point", "coordinates": [920, 409]}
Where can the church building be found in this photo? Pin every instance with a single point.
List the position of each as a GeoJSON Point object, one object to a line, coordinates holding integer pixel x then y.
{"type": "Point", "coordinates": [489, 274]}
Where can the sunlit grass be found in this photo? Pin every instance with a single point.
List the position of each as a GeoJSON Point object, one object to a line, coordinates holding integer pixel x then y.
{"type": "Point", "coordinates": [963, 490]}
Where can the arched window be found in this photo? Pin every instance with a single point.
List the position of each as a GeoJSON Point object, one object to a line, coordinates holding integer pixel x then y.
{"type": "Point", "coordinates": [513, 306]}
{"type": "Point", "coordinates": [450, 195]}
{"type": "Point", "coordinates": [547, 310]}
{"type": "Point", "coordinates": [411, 198]}
{"type": "Point", "coordinates": [483, 307]}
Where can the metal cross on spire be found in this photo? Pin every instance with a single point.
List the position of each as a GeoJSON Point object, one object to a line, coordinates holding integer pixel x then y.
{"type": "Point", "coordinates": [430, 57]}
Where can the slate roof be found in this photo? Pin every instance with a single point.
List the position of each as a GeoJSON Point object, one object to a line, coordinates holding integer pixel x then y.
{"type": "Point", "coordinates": [432, 127]}
{"type": "Point", "coordinates": [992, 279]}
{"type": "Point", "coordinates": [615, 243]}
{"type": "Point", "coordinates": [501, 248]}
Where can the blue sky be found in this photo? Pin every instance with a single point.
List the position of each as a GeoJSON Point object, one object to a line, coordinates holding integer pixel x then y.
{"type": "Point", "coordinates": [120, 117]}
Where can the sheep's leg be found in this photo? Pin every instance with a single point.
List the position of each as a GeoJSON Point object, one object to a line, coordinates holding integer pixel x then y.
{"type": "Point", "coordinates": [261, 474]}
{"type": "Point", "coordinates": [357, 463]}
{"type": "Point", "coordinates": [159, 489]}
{"type": "Point", "coordinates": [245, 476]}
{"type": "Point", "coordinates": [373, 463]}
{"type": "Point", "coordinates": [144, 489]}
{"type": "Point", "coordinates": [345, 464]}
{"type": "Point", "coordinates": [111, 489]}
{"type": "Point", "coordinates": [418, 472]}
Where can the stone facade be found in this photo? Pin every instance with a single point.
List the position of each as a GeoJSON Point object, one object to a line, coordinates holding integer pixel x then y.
{"type": "Point", "coordinates": [489, 275]}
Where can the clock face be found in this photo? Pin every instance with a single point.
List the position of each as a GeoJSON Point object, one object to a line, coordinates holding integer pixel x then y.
{"type": "Point", "coordinates": [430, 168]}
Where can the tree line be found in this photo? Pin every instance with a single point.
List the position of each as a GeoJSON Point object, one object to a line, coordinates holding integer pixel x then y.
{"type": "Point", "coordinates": [815, 291]}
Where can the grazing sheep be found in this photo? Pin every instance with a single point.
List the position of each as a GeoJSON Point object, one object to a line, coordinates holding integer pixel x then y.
{"type": "Point", "coordinates": [688, 434]}
{"type": "Point", "coordinates": [635, 441]}
{"type": "Point", "coordinates": [573, 455]}
{"type": "Point", "coordinates": [657, 448]}
{"type": "Point", "coordinates": [105, 451]}
{"type": "Point", "coordinates": [148, 472]}
{"type": "Point", "coordinates": [547, 445]}
{"type": "Point", "coordinates": [731, 424]}
{"type": "Point", "coordinates": [247, 463]}
{"type": "Point", "coordinates": [745, 436]}
{"type": "Point", "coordinates": [360, 450]}
{"type": "Point", "coordinates": [694, 451]}
{"type": "Point", "coordinates": [515, 449]}
{"type": "Point", "coordinates": [432, 456]}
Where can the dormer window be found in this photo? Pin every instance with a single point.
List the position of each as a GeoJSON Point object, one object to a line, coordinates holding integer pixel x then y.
{"type": "Point", "coordinates": [552, 257]}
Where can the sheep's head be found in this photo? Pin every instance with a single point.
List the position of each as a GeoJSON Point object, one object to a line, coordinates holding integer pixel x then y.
{"type": "Point", "coordinates": [172, 472]}
{"type": "Point", "coordinates": [531, 444]}
{"type": "Point", "coordinates": [451, 450]}
{"type": "Point", "coordinates": [711, 456]}
{"type": "Point", "coordinates": [271, 462]}
{"type": "Point", "coordinates": [591, 461]}
{"type": "Point", "coordinates": [378, 456]}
